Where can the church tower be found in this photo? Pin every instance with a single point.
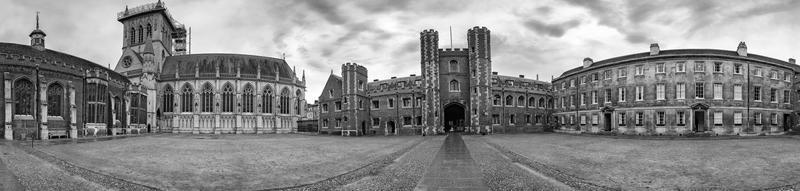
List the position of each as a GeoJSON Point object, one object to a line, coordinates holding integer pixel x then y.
{"type": "Point", "coordinates": [480, 59]}
{"type": "Point", "coordinates": [145, 25]}
{"type": "Point", "coordinates": [429, 47]}
{"type": "Point", "coordinates": [37, 36]}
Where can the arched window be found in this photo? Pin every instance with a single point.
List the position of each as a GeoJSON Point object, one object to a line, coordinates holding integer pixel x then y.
{"type": "Point", "coordinates": [23, 97]}
{"type": "Point", "coordinates": [454, 86]}
{"type": "Point", "coordinates": [119, 108]}
{"type": "Point", "coordinates": [285, 101]}
{"type": "Point", "coordinates": [133, 36]}
{"type": "Point", "coordinates": [550, 103]}
{"type": "Point", "coordinates": [134, 108]}
{"type": "Point", "coordinates": [453, 66]}
{"type": "Point", "coordinates": [207, 98]}
{"type": "Point", "coordinates": [141, 34]}
{"type": "Point", "coordinates": [510, 100]}
{"type": "Point", "coordinates": [149, 30]}
{"type": "Point", "coordinates": [227, 98]}
{"type": "Point", "coordinates": [96, 102]}
{"type": "Point", "coordinates": [55, 95]}
{"type": "Point", "coordinates": [532, 102]}
{"type": "Point", "coordinates": [167, 99]}
{"type": "Point", "coordinates": [142, 112]}
{"type": "Point", "coordinates": [541, 102]}
{"type": "Point", "coordinates": [247, 99]}
{"type": "Point", "coordinates": [187, 97]}
{"type": "Point", "coordinates": [267, 100]}
{"type": "Point", "coordinates": [497, 100]}
{"type": "Point", "coordinates": [299, 104]}
{"type": "Point", "coordinates": [521, 101]}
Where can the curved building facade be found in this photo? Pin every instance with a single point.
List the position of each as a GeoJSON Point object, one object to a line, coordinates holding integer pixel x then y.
{"type": "Point", "coordinates": [679, 92]}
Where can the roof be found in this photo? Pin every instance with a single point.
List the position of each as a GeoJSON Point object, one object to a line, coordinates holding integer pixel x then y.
{"type": "Point", "coordinates": [397, 79]}
{"type": "Point", "coordinates": [520, 79]}
{"type": "Point", "coordinates": [679, 53]}
{"type": "Point", "coordinates": [248, 66]}
{"type": "Point", "coordinates": [83, 64]}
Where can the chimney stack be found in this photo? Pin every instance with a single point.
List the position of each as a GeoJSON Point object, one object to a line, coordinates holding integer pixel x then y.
{"type": "Point", "coordinates": [521, 76]}
{"type": "Point", "coordinates": [791, 60]}
{"type": "Point", "coordinates": [654, 49]}
{"type": "Point", "coordinates": [742, 49]}
{"type": "Point", "coordinates": [587, 62]}
{"type": "Point", "coordinates": [494, 73]}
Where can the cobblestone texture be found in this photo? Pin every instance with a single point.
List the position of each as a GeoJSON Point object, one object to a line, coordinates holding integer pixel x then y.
{"type": "Point", "coordinates": [37, 174]}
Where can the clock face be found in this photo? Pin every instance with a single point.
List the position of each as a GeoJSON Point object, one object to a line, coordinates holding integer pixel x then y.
{"type": "Point", "coordinates": [126, 62]}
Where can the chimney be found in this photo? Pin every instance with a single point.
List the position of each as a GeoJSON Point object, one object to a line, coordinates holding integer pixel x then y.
{"type": "Point", "coordinates": [393, 77]}
{"type": "Point", "coordinates": [742, 49]}
{"type": "Point", "coordinates": [494, 73]}
{"type": "Point", "coordinates": [375, 80]}
{"type": "Point", "coordinates": [521, 76]}
{"type": "Point", "coordinates": [587, 62]}
{"type": "Point", "coordinates": [791, 60]}
{"type": "Point", "coordinates": [413, 75]}
{"type": "Point", "coordinates": [654, 49]}
{"type": "Point", "coordinates": [537, 76]}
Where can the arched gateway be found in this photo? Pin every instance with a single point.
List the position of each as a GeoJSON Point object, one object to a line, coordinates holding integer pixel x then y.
{"type": "Point", "coordinates": [454, 117]}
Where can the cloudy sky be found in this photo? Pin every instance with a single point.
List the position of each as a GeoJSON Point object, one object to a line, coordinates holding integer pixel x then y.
{"type": "Point", "coordinates": [543, 37]}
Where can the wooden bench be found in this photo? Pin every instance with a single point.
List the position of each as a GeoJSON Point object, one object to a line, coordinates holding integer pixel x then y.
{"type": "Point", "coordinates": [349, 131]}
{"type": "Point", "coordinates": [57, 133]}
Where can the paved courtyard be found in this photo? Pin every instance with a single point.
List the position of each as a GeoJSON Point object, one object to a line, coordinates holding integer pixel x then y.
{"type": "Point", "coordinates": [454, 162]}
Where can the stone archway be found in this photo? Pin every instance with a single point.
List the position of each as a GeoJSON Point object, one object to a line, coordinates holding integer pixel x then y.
{"type": "Point", "coordinates": [454, 117]}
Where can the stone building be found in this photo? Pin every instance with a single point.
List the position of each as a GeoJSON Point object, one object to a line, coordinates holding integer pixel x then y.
{"type": "Point", "coordinates": [205, 93]}
{"type": "Point", "coordinates": [50, 94]}
{"type": "Point", "coordinates": [678, 92]}
{"type": "Point", "coordinates": [457, 91]}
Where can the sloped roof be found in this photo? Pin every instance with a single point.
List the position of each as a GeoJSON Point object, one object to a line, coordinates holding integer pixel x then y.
{"type": "Point", "coordinates": [248, 65]}
{"type": "Point", "coordinates": [26, 50]}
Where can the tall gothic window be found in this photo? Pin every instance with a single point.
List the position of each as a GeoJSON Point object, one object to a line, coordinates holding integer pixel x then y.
{"type": "Point", "coordinates": [96, 102]}
{"type": "Point", "coordinates": [227, 98]}
{"type": "Point", "coordinates": [149, 30]}
{"type": "Point", "coordinates": [134, 108]}
{"type": "Point", "coordinates": [266, 100]}
{"type": "Point", "coordinates": [23, 97]}
{"type": "Point", "coordinates": [247, 99]}
{"type": "Point", "coordinates": [133, 36]}
{"type": "Point", "coordinates": [141, 34]}
{"type": "Point", "coordinates": [300, 95]}
{"type": "Point", "coordinates": [167, 99]}
{"type": "Point", "coordinates": [532, 102]}
{"type": "Point", "coordinates": [541, 102]}
{"type": "Point", "coordinates": [521, 101]}
{"type": "Point", "coordinates": [207, 98]}
{"type": "Point", "coordinates": [453, 66]}
{"type": "Point", "coordinates": [285, 101]}
{"type": "Point", "coordinates": [55, 95]}
{"type": "Point", "coordinates": [118, 108]}
{"type": "Point", "coordinates": [510, 100]}
{"type": "Point", "coordinates": [142, 109]}
{"type": "Point", "coordinates": [187, 97]}
{"type": "Point", "coordinates": [454, 86]}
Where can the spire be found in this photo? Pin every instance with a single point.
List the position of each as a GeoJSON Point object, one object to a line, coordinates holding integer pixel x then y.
{"type": "Point", "coordinates": [37, 20]}
{"type": "Point", "coordinates": [37, 35]}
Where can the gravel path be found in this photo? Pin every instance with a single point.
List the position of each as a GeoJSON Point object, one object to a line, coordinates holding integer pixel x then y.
{"type": "Point", "coordinates": [502, 173]}
{"type": "Point", "coordinates": [404, 173]}
{"type": "Point", "coordinates": [36, 174]}
{"type": "Point", "coordinates": [7, 179]}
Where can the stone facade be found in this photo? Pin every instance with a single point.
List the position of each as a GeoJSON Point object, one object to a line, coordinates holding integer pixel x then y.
{"type": "Point", "coordinates": [679, 92]}
{"type": "Point", "coordinates": [455, 92]}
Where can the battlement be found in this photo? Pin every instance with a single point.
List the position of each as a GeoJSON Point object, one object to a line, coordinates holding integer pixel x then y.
{"type": "Point", "coordinates": [146, 8]}
{"type": "Point", "coordinates": [454, 51]}
{"type": "Point", "coordinates": [429, 32]}
{"type": "Point", "coordinates": [354, 67]}
{"type": "Point", "coordinates": [478, 29]}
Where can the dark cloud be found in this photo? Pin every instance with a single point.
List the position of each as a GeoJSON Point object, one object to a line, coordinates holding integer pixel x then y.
{"type": "Point", "coordinates": [553, 30]}
{"type": "Point", "coordinates": [327, 10]}
{"type": "Point", "coordinates": [377, 6]}
{"type": "Point", "coordinates": [411, 46]}
{"type": "Point", "coordinates": [544, 10]}
{"type": "Point", "coordinates": [637, 38]}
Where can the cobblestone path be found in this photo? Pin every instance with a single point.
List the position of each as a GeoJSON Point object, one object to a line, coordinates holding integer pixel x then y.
{"type": "Point", "coordinates": [452, 169]}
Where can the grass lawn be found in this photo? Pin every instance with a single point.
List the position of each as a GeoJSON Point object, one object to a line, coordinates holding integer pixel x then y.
{"type": "Point", "coordinates": [229, 162]}
{"type": "Point", "coordinates": [740, 164]}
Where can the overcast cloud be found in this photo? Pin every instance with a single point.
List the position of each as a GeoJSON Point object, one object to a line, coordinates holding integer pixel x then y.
{"type": "Point", "coordinates": [531, 38]}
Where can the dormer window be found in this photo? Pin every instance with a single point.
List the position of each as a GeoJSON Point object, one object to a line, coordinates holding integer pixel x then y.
{"type": "Point", "coordinates": [330, 93]}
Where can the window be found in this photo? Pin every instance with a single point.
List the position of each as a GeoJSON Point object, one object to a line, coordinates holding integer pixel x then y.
{"type": "Point", "coordinates": [737, 92]}
{"type": "Point", "coordinates": [227, 98]}
{"type": "Point", "coordinates": [391, 103]}
{"type": "Point", "coordinates": [583, 119]}
{"type": "Point", "coordinates": [406, 102]}
{"type": "Point", "coordinates": [607, 74]}
{"type": "Point", "coordinates": [285, 101]}
{"type": "Point", "coordinates": [680, 67]}
{"type": "Point", "coordinates": [338, 122]}
{"type": "Point", "coordinates": [595, 119]}
{"type": "Point", "coordinates": [773, 95]}
{"type": "Point", "coordinates": [141, 34]}
{"type": "Point", "coordinates": [531, 102]}
{"type": "Point", "coordinates": [639, 119]}
{"type": "Point", "coordinates": [55, 95]}
{"type": "Point", "coordinates": [453, 66]}
{"type": "Point", "coordinates": [737, 69]}
{"type": "Point", "coordinates": [267, 99]}
{"type": "Point", "coordinates": [757, 93]}
{"type": "Point", "coordinates": [699, 91]}
{"type": "Point", "coordinates": [337, 106]}
{"type": "Point", "coordinates": [510, 83]}
{"type": "Point", "coordinates": [594, 97]}
{"type": "Point", "coordinates": [608, 95]}
{"type": "Point", "coordinates": [621, 94]}
{"type": "Point", "coordinates": [376, 104]}
{"type": "Point", "coordinates": [718, 67]}
{"type": "Point", "coordinates": [149, 30]}
{"type": "Point", "coordinates": [583, 99]}
{"type": "Point", "coordinates": [737, 118]}
{"type": "Point", "coordinates": [622, 73]}
{"type": "Point", "coordinates": [758, 118]}
{"type": "Point", "coordinates": [419, 120]}
{"type": "Point", "coordinates": [23, 97]}
{"type": "Point", "coordinates": [660, 92]}
{"type": "Point", "coordinates": [325, 123]}
{"type": "Point", "coordinates": [639, 93]}
{"type": "Point", "coordinates": [96, 96]}
{"type": "Point", "coordinates": [167, 99]}
{"type": "Point", "coordinates": [495, 119]}
{"type": "Point", "coordinates": [132, 38]}
{"type": "Point", "coordinates": [717, 91]}
{"type": "Point", "coordinates": [774, 118]}
{"type": "Point", "coordinates": [595, 77]}
{"type": "Point", "coordinates": [680, 91]}
{"type": "Point", "coordinates": [361, 85]}
{"type": "Point", "coordinates": [496, 100]}
{"type": "Point", "coordinates": [247, 99]}
{"type": "Point", "coordinates": [571, 119]}
{"type": "Point", "coordinates": [660, 118]}
{"type": "Point", "coordinates": [207, 98]}
{"type": "Point", "coordinates": [757, 71]}
{"type": "Point", "coordinates": [787, 76]}
{"type": "Point", "coordinates": [659, 67]}
{"type": "Point", "coordinates": [509, 100]}
{"type": "Point", "coordinates": [699, 66]}
{"type": "Point", "coordinates": [773, 75]}
{"type": "Point", "coordinates": [330, 92]}
{"type": "Point", "coordinates": [187, 98]}
{"type": "Point", "coordinates": [621, 119]}
{"type": "Point", "coordinates": [681, 118]}
{"type": "Point", "coordinates": [511, 119]}
{"type": "Point", "coordinates": [376, 122]}
{"type": "Point", "coordinates": [325, 108]}
{"type": "Point", "coordinates": [786, 96]}
{"type": "Point", "coordinates": [718, 118]}
{"type": "Point", "coordinates": [581, 80]}
{"type": "Point", "coordinates": [639, 70]}
{"type": "Point", "coordinates": [406, 120]}
{"type": "Point", "coordinates": [454, 86]}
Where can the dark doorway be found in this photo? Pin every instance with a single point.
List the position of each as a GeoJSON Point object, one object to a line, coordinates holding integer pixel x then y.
{"type": "Point", "coordinates": [454, 118]}
{"type": "Point", "coordinates": [699, 121]}
{"type": "Point", "coordinates": [390, 126]}
{"type": "Point", "coordinates": [363, 128]}
{"type": "Point", "coordinates": [607, 121]}
{"type": "Point", "coordinates": [787, 122]}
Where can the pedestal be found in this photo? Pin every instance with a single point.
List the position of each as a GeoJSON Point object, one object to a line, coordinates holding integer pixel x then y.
{"type": "Point", "coordinates": [43, 134]}
{"type": "Point", "coordinates": [73, 132]}
{"type": "Point", "coordinates": [8, 133]}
